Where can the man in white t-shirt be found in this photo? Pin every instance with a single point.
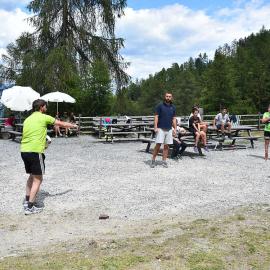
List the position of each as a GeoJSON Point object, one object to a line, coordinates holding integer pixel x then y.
{"type": "Point", "coordinates": [222, 122]}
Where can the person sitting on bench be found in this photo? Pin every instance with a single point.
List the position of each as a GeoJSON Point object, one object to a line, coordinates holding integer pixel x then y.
{"type": "Point", "coordinates": [222, 122]}
{"type": "Point", "coordinates": [10, 123]}
{"type": "Point", "coordinates": [179, 146]}
{"type": "Point", "coordinates": [203, 125]}
{"type": "Point", "coordinates": [195, 128]}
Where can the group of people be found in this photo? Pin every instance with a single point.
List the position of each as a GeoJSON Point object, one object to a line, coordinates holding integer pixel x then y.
{"type": "Point", "coordinates": [165, 126]}
{"type": "Point", "coordinates": [66, 118]}
{"type": "Point", "coordinates": [168, 132]}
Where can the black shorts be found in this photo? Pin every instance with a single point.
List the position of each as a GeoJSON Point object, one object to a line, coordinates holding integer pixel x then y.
{"type": "Point", "coordinates": [267, 135]}
{"type": "Point", "coordinates": [219, 125]}
{"type": "Point", "coordinates": [34, 163]}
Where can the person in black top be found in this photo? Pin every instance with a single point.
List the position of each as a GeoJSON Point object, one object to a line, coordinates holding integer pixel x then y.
{"type": "Point", "coordinates": [195, 128]}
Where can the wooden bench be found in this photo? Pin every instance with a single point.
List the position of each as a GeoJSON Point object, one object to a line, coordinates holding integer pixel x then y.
{"type": "Point", "coordinates": [4, 134]}
{"type": "Point", "coordinates": [14, 134]}
{"type": "Point", "coordinates": [221, 140]}
{"type": "Point", "coordinates": [250, 138]}
{"type": "Point", "coordinates": [112, 134]}
{"type": "Point", "coordinates": [188, 143]}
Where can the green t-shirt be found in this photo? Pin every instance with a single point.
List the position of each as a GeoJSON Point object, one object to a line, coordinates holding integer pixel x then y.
{"type": "Point", "coordinates": [35, 131]}
{"type": "Point", "coordinates": [267, 125]}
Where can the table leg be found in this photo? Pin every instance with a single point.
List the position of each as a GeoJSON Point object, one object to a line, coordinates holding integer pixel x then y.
{"type": "Point", "coordinates": [251, 141]}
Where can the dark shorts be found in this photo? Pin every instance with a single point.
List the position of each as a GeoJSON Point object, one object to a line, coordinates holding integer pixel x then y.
{"type": "Point", "coordinates": [219, 126]}
{"type": "Point", "coordinates": [267, 135]}
{"type": "Point", "coordinates": [34, 163]}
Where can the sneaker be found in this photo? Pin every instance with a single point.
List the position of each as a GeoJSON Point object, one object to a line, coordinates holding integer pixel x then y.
{"type": "Point", "coordinates": [196, 149]}
{"type": "Point", "coordinates": [33, 210]}
{"type": "Point", "coordinates": [25, 204]}
{"type": "Point", "coordinates": [153, 164]}
{"type": "Point", "coordinates": [206, 149]}
{"type": "Point", "coordinates": [165, 164]}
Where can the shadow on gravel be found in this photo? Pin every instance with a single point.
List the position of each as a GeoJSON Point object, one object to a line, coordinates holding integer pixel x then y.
{"type": "Point", "coordinates": [185, 154]}
{"type": "Point", "coordinates": [42, 195]}
{"type": "Point", "coordinates": [256, 156]}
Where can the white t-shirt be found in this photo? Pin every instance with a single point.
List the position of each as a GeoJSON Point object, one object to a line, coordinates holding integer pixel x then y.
{"type": "Point", "coordinates": [222, 119]}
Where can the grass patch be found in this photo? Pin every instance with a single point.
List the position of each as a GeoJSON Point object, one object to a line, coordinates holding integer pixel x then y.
{"type": "Point", "coordinates": [158, 231]}
{"type": "Point", "coordinates": [121, 263]}
{"type": "Point", "coordinates": [205, 261]}
{"type": "Point", "coordinates": [237, 241]}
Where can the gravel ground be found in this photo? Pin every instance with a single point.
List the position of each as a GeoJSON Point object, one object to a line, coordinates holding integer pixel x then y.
{"type": "Point", "coordinates": [85, 179]}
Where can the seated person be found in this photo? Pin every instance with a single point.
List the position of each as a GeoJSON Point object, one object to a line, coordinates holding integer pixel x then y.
{"type": "Point", "coordinates": [179, 146]}
{"type": "Point", "coordinates": [72, 118]}
{"type": "Point", "coordinates": [203, 125]}
{"type": "Point", "coordinates": [106, 121]}
{"type": "Point", "coordinates": [10, 122]}
{"type": "Point", "coordinates": [222, 122]}
{"type": "Point", "coordinates": [195, 128]}
{"type": "Point", "coordinates": [57, 128]}
{"type": "Point", "coordinates": [128, 119]}
{"type": "Point", "coordinates": [66, 119]}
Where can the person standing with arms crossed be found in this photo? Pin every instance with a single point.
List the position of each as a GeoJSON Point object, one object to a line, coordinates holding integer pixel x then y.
{"type": "Point", "coordinates": [266, 121]}
{"type": "Point", "coordinates": [165, 118]}
{"type": "Point", "coordinates": [32, 150]}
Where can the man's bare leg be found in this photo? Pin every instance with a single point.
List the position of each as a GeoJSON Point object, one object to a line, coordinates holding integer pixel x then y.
{"type": "Point", "coordinates": [165, 152]}
{"type": "Point", "coordinates": [37, 180]}
{"type": "Point", "coordinates": [29, 184]}
{"type": "Point", "coordinates": [156, 151]}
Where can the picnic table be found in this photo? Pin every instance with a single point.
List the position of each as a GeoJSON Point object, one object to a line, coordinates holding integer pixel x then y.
{"type": "Point", "coordinates": [187, 138]}
{"type": "Point", "coordinates": [236, 134]}
{"type": "Point", "coordinates": [112, 130]}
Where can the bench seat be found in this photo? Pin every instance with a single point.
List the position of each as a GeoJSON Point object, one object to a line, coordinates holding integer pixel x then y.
{"type": "Point", "coordinates": [188, 143]}
{"type": "Point", "coordinates": [14, 134]}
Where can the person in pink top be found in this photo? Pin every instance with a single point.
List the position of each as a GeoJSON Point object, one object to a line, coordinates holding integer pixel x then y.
{"type": "Point", "coordinates": [10, 122]}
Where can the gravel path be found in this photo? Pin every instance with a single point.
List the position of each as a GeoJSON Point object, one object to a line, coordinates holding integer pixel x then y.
{"type": "Point", "coordinates": [84, 179]}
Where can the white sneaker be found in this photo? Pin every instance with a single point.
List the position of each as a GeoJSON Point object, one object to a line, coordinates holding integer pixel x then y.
{"type": "Point", "coordinates": [25, 204]}
{"type": "Point", "coordinates": [152, 163]}
{"type": "Point", "coordinates": [33, 210]}
{"type": "Point", "coordinates": [165, 164]}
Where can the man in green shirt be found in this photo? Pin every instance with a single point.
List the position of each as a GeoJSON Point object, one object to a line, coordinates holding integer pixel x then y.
{"type": "Point", "coordinates": [266, 121]}
{"type": "Point", "coordinates": [32, 150]}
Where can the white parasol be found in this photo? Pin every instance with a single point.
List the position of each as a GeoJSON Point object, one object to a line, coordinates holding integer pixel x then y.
{"type": "Point", "coordinates": [19, 98]}
{"type": "Point", "coordinates": [58, 97]}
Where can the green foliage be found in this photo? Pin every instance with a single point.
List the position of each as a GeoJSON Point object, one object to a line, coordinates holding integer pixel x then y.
{"type": "Point", "coordinates": [96, 96]}
{"type": "Point", "coordinates": [73, 46]}
{"type": "Point", "coordinates": [238, 77]}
